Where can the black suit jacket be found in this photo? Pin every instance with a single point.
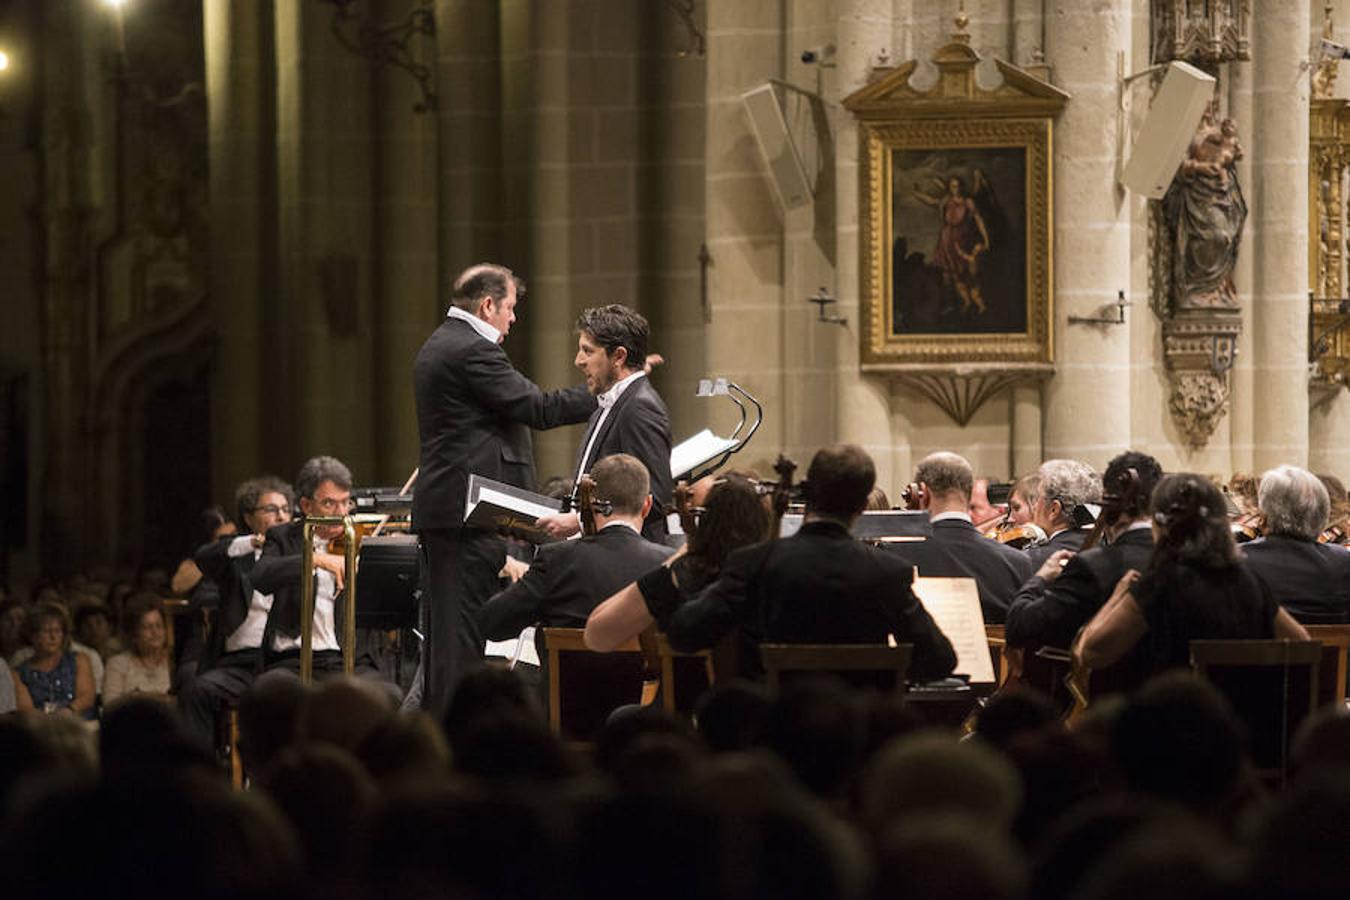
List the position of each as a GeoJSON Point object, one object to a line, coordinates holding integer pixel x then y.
{"type": "Point", "coordinates": [639, 425]}
{"type": "Point", "coordinates": [569, 579]}
{"type": "Point", "coordinates": [1310, 580]}
{"type": "Point", "coordinates": [277, 572]}
{"type": "Point", "coordinates": [957, 550]}
{"type": "Point", "coordinates": [474, 415]}
{"type": "Point", "coordinates": [1068, 539]}
{"type": "Point", "coordinates": [1049, 614]}
{"type": "Point", "coordinates": [231, 574]}
{"type": "Point", "coordinates": [819, 586]}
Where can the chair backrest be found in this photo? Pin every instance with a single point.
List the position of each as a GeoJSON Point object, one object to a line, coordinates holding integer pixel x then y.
{"type": "Point", "coordinates": [869, 665]}
{"type": "Point", "coordinates": [684, 676]}
{"type": "Point", "coordinates": [1273, 687]}
{"type": "Point", "coordinates": [1335, 641]}
{"type": "Point", "coordinates": [584, 687]}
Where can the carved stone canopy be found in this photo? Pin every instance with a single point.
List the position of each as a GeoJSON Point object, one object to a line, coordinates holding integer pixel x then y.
{"type": "Point", "coordinates": [1205, 34]}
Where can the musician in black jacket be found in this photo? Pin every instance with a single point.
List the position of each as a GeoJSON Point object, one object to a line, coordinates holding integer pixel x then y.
{"type": "Point", "coordinates": [956, 549]}
{"type": "Point", "coordinates": [232, 656]}
{"type": "Point", "coordinates": [474, 415]}
{"type": "Point", "coordinates": [1068, 590]}
{"type": "Point", "coordinates": [569, 579]}
{"type": "Point", "coordinates": [820, 586]}
{"type": "Point", "coordinates": [1065, 487]}
{"type": "Point", "coordinates": [630, 416]}
{"type": "Point", "coordinates": [1310, 580]}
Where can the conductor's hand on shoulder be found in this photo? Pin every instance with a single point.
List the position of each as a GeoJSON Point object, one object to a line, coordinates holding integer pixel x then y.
{"type": "Point", "coordinates": [559, 525]}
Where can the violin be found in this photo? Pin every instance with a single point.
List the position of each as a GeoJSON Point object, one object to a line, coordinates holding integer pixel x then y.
{"type": "Point", "coordinates": [1020, 537]}
{"type": "Point", "coordinates": [1337, 533]}
{"type": "Point", "coordinates": [1248, 527]}
{"type": "Point", "coordinates": [683, 496]}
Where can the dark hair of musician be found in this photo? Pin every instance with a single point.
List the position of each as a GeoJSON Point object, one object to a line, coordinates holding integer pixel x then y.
{"type": "Point", "coordinates": [484, 280]}
{"type": "Point", "coordinates": [247, 495]}
{"type": "Point", "coordinates": [1116, 479]}
{"type": "Point", "coordinates": [839, 481]}
{"type": "Point", "coordinates": [623, 481]}
{"type": "Point", "coordinates": [319, 469]}
{"type": "Point", "coordinates": [1193, 518]}
{"type": "Point", "coordinates": [616, 326]}
{"type": "Point", "coordinates": [734, 516]}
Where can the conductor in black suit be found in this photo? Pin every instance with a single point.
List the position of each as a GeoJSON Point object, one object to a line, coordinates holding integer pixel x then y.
{"type": "Point", "coordinates": [570, 578]}
{"type": "Point", "coordinates": [956, 550]}
{"type": "Point", "coordinates": [1309, 579]}
{"type": "Point", "coordinates": [630, 416]}
{"type": "Point", "coordinates": [819, 586]}
{"type": "Point", "coordinates": [474, 415]}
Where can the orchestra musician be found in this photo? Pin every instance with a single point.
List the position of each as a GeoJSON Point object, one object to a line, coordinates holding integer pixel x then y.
{"type": "Point", "coordinates": [1060, 510]}
{"type": "Point", "coordinates": [1308, 578]}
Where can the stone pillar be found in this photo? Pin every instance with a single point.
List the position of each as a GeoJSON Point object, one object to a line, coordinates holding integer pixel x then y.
{"type": "Point", "coordinates": [1087, 402]}
{"type": "Point", "coordinates": [744, 223]}
{"type": "Point", "coordinates": [237, 131]}
{"type": "Point", "coordinates": [1025, 401]}
{"type": "Point", "coordinates": [407, 293]}
{"type": "Point", "coordinates": [325, 168]}
{"type": "Point", "coordinates": [1279, 232]}
{"type": "Point", "coordinates": [863, 405]}
{"type": "Point", "coordinates": [1242, 381]}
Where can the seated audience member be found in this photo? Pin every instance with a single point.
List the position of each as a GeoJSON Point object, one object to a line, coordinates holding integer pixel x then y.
{"type": "Point", "coordinates": [1067, 590]}
{"type": "Point", "coordinates": [1196, 586]}
{"type": "Point", "coordinates": [734, 516]}
{"type": "Point", "coordinates": [1066, 488]}
{"type": "Point", "coordinates": [568, 579]}
{"type": "Point", "coordinates": [819, 586]}
{"type": "Point", "coordinates": [324, 488]}
{"type": "Point", "coordinates": [144, 669]}
{"type": "Point", "coordinates": [92, 627]}
{"type": "Point", "coordinates": [948, 856]}
{"type": "Point", "coordinates": [957, 549]}
{"type": "Point", "coordinates": [13, 619]}
{"type": "Point", "coordinates": [1298, 851]}
{"type": "Point", "coordinates": [55, 678]}
{"type": "Point", "coordinates": [232, 655]}
{"type": "Point", "coordinates": [1309, 579]}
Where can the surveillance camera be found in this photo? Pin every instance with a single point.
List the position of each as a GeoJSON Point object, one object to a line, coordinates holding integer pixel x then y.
{"type": "Point", "coordinates": [1333, 50]}
{"type": "Point", "coordinates": [812, 55]}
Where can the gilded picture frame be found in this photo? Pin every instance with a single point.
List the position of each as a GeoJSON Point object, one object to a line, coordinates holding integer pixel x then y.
{"type": "Point", "coordinates": [956, 216]}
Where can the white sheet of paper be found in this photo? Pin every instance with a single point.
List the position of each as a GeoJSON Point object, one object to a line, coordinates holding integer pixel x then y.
{"type": "Point", "coordinates": [524, 507]}
{"type": "Point", "coordinates": [954, 604]}
{"type": "Point", "coordinates": [523, 645]}
{"type": "Point", "coordinates": [693, 452]}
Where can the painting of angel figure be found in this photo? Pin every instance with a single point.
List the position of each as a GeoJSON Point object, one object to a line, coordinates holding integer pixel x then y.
{"type": "Point", "coordinates": [959, 243]}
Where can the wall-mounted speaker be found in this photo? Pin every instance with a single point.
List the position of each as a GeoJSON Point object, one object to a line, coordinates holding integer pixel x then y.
{"type": "Point", "coordinates": [775, 143]}
{"type": "Point", "coordinates": [1168, 129]}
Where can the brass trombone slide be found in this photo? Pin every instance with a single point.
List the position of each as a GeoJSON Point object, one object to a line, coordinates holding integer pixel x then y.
{"type": "Point", "coordinates": [307, 596]}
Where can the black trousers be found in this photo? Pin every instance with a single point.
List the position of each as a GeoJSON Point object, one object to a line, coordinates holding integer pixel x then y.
{"type": "Point", "coordinates": [461, 567]}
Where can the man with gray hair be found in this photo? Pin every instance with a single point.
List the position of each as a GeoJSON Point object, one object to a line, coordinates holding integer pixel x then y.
{"type": "Point", "coordinates": [942, 484]}
{"type": "Point", "coordinates": [1309, 579]}
{"type": "Point", "coordinates": [1061, 508]}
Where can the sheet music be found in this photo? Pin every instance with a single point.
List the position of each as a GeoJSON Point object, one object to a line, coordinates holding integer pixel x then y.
{"type": "Point", "coordinates": [703, 447]}
{"type": "Point", "coordinates": [954, 604]}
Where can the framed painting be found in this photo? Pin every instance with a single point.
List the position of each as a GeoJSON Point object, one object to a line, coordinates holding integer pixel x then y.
{"type": "Point", "coordinates": [956, 196]}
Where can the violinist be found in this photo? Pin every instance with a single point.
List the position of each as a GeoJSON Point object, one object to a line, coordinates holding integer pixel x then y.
{"type": "Point", "coordinates": [1062, 508]}
{"type": "Point", "coordinates": [985, 516]}
{"type": "Point", "coordinates": [1242, 490]}
{"type": "Point", "coordinates": [324, 488]}
{"type": "Point", "coordinates": [1017, 528]}
{"type": "Point", "coordinates": [1068, 589]}
{"type": "Point", "coordinates": [942, 487]}
{"type": "Point", "coordinates": [1338, 528]}
{"type": "Point", "coordinates": [1309, 579]}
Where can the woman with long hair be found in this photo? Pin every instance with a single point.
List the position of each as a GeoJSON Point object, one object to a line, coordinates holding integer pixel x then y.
{"type": "Point", "coordinates": [1197, 586]}
{"type": "Point", "coordinates": [734, 516]}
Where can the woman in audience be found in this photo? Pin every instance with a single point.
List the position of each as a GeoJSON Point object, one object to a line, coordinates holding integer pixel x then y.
{"type": "Point", "coordinates": [93, 628]}
{"type": "Point", "coordinates": [734, 516]}
{"type": "Point", "coordinates": [55, 678]}
{"type": "Point", "coordinates": [1196, 586]}
{"type": "Point", "coordinates": [145, 668]}
{"type": "Point", "coordinates": [13, 618]}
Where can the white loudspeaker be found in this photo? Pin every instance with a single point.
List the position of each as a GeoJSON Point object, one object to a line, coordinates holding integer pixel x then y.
{"type": "Point", "coordinates": [1168, 129]}
{"type": "Point", "coordinates": [780, 154]}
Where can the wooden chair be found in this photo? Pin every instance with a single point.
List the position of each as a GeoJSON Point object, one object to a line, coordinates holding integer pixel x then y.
{"type": "Point", "coordinates": [584, 687]}
{"type": "Point", "coordinates": [1335, 641]}
{"type": "Point", "coordinates": [867, 665]}
{"type": "Point", "coordinates": [997, 637]}
{"type": "Point", "coordinates": [1273, 687]}
{"type": "Point", "coordinates": [684, 676]}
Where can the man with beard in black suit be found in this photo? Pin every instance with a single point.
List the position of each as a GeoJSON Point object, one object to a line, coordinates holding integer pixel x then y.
{"type": "Point", "coordinates": [943, 482]}
{"type": "Point", "coordinates": [474, 415]}
{"type": "Point", "coordinates": [630, 416]}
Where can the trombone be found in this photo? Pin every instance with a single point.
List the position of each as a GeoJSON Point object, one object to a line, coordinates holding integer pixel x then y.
{"type": "Point", "coordinates": [307, 596]}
